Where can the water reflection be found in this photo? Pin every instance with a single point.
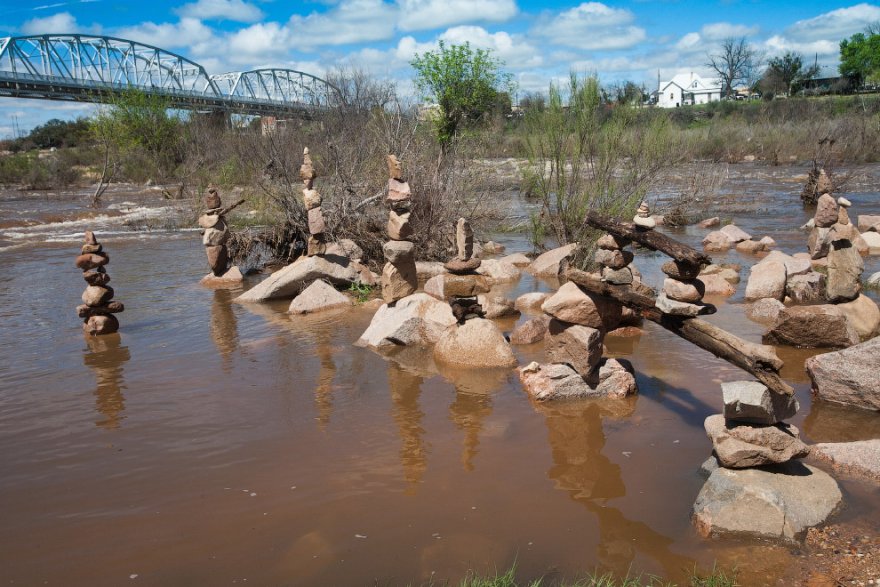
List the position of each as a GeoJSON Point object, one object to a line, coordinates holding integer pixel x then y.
{"type": "Point", "coordinates": [224, 326]}
{"type": "Point", "coordinates": [326, 374]}
{"type": "Point", "coordinates": [105, 357]}
{"type": "Point", "coordinates": [406, 387]}
{"type": "Point", "coordinates": [574, 430]}
{"type": "Point", "coordinates": [472, 405]}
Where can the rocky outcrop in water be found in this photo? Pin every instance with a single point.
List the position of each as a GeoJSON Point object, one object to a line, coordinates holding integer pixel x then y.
{"type": "Point", "coordinates": [98, 308]}
{"type": "Point", "coordinates": [849, 376]}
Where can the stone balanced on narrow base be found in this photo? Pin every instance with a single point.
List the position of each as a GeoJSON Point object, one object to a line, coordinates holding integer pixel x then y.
{"type": "Point", "coordinates": [215, 235]}
{"type": "Point", "coordinates": [98, 308]}
{"type": "Point", "coordinates": [832, 236]}
{"type": "Point", "coordinates": [399, 276]}
{"type": "Point", "coordinates": [463, 284]}
{"type": "Point", "coordinates": [317, 244]}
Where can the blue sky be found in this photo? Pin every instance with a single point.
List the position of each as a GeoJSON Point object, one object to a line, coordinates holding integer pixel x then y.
{"type": "Point", "coordinates": [539, 41]}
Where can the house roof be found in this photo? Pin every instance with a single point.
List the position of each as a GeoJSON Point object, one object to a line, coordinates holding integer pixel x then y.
{"type": "Point", "coordinates": [690, 82]}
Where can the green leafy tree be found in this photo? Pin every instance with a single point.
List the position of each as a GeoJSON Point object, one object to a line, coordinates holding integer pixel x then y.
{"type": "Point", "coordinates": [860, 56]}
{"type": "Point", "coordinates": [464, 82]}
{"type": "Point", "coordinates": [786, 73]}
{"type": "Point", "coordinates": [136, 131]}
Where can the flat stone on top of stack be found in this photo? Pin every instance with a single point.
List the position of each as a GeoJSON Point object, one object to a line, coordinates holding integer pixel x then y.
{"type": "Point", "coordinates": [399, 276]}
{"type": "Point", "coordinates": [643, 218]}
{"type": "Point", "coordinates": [98, 308]}
{"type": "Point", "coordinates": [317, 244]}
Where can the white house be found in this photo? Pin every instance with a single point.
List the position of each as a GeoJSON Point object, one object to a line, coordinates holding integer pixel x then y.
{"type": "Point", "coordinates": [686, 89]}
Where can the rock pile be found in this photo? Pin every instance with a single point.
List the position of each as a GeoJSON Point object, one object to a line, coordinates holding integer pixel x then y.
{"type": "Point", "coordinates": [317, 244]}
{"type": "Point", "coordinates": [473, 341]}
{"type": "Point", "coordinates": [399, 276]}
{"type": "Point", "coordinates": [215, 234]}
{"type": "Point", "coordinates": [98, 308]}
{"type": "Point", "coordinates": [823, 310]}
{"type": "Point", "coordinates": [746, 490]}
{"type": "Point", "coordinates": [578, 322]}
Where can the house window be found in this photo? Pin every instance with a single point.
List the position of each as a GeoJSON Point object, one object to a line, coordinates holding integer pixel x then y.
{"type": "Point", "coordinates": [695, 85]}
{"type": "Point", "coordinates": [671, 96]}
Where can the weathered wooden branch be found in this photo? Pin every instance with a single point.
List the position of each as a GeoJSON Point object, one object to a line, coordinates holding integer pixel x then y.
{"type": "Point", "coordinates": [229, 209]}
{"type": "Point", "coordinates": [759, 360]}
{"type": "Point", "coordinates": [656, 241]}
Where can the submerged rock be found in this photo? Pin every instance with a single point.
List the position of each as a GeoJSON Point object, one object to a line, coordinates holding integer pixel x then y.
{"type": "Point", "coordinates": [778, 502]}
{"type": "Point", "coordinates": [849, 376]}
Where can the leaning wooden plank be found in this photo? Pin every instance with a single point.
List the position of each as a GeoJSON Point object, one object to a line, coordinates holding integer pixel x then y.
{"type": "Point", "coordinates": [759, 360]}
{"type": "Point", "coordinates": [656, 241]}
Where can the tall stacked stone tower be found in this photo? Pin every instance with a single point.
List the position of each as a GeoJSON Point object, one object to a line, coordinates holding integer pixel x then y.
{"type": "Point", "coordinates": [98, 308]}
{"type": "Point", "coordinates": [399, 277]}
{"type": "Point", "coordinates": [317, 244]}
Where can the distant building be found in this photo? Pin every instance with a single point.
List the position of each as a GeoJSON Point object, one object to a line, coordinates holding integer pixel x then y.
{"type": "Point", "coordinates": [686, 89]}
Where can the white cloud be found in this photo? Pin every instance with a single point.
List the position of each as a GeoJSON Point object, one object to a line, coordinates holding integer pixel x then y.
{"type": "Point", "coordinates": [260, 40]}
{"type": "Point", "coordinates": [592, 26]}
{"type": "Point", "coordinates": [688, 42]}
{"type": "Point", "coordinates": [189, 32]}
{"type": "Point", "coordinates": [723, 30]}
{"type": "Point", "coordinates": [236, 10]}
{"type": "Point", "coordinates": [433, 14]}
{"type": "Point", "coordinates": [514, 50]}
{"type": "Point", "coordinates": [351, 21]}
{"type": "Point", "coordinates": [63, 22]}
{"type": "Point", "coordinates": [778, 44]}
{"type": "Point", "coordinates": [836, 24]}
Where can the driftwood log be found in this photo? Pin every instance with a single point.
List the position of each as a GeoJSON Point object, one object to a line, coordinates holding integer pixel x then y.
{"type": "Point", "coordinates": [651, 239]}
{"type": "Point", "coordinates": [228, 209]}
{"type": "Point", "coordinates": [757, 359]}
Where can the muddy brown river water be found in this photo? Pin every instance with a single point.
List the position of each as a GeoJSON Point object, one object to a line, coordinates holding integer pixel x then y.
{"type": "Point", "coordinates": [216, 443]}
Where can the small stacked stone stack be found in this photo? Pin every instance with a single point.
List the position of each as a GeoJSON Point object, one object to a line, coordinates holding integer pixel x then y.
{"type": "Point", "coordinates": [463, 284]}
{"type": "Point", "coordinates": [614, 260]}
{"type": "Point", "coordinates": [98, 308]}
{"type": "Point", "coordinates": [215, 233]}
{"type": "Point", "coordinates": [643, 217]}
{"type": "Point", "coordinates": [751, 431]}
{"type": "Point", "coordinates": [317, 244]}
{"type": "Point", "coordinates": [832, 236]}
{"type": "Point", "coordinates": [399, 276]}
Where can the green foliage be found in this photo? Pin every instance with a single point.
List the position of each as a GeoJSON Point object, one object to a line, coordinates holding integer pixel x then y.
{"type": "Point", "coordinates": [139, 134]}
{"type": "Point", "coordinates": [55, 134]}
{"type": "Point", "coordinates": [38, 172]}
{"type": "Point", "coordinates": [361, 291]}
{"type": "Point", "coordinates": [786, 73]}
{"type": "Point", "coordinates": [464, 82]}
{"type": "Point", "coordinates": [860, 56]}
{"type": "Point", "coordinates": [584, 156]}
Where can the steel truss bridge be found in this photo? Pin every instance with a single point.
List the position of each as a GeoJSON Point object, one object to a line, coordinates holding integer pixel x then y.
{"type": "Point", "coordinates": [87, 68]}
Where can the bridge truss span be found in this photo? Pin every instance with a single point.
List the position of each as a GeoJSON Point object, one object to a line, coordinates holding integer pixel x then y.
{"type": "Point", "coordinates": [89, 68]}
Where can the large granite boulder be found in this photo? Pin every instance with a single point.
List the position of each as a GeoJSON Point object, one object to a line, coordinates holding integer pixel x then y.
{"type": "Point", "coordinates": [531, 331]}
{"type": "Point", "coordinates": [417, 320]}
{"type": "Point", "coordinates": [499, 271]}
{"type": "Point", "coordinates": [614, 379]}
{"type": "Point", "coordinates": [765, 310]}
{"type": "Point", "coordinates": [849, 376]}
{"type": "Point", "coordinates": [497, 306]}
{"type": "Point", "coordinates": [477, 343]}
{"type": "Point", "coordinates": [317, 297]}
{"type": "Point", "coordinates": [740, 446]}
{"type": "Point", "coordinates": [571, 304]}
{"type": "Point", "coordinates": [858, 458]}
{"type": "Point", "coordinates": [863, 314]}
{"type": "Point", "coordinates": [735, 233]}
{"type": "Point", "coordinates": [767, 280]}
{"type": "Point", "coordinates": [531, 302]}
{"type": "Point", "coordinates": [821, 326]}
{"type": "Point", "coordinates": [808, 288]}
{"type": "Point", "coordinates": [715, 285]}
{"type": "Point", "coordinates": [845, 268]}
{"type": "Point", "coordinates": [549, 264]}
{"type": "Point", "coordinates": [291, 280]}
{"type": "Point", "coordinates": [777, 502]}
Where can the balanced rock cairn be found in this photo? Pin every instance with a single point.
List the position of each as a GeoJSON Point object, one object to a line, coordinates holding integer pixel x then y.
{"type": "Point", "coordinates": [317, 244]}
{"type": "Point", "coordinates": [643, 218]}
{"type": "Point", "coordinates": [832, 236]}
{"type": "Point", "coordinates": [751, 431]}
{"type": "Point", "coordinates": [98, 308]}
{"type": "Point", "coordinates": [463, 284]}
{"type": "Point", "coordinates": [215, 235]}
{"type": "Point", "coordinates": [399, 276]}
